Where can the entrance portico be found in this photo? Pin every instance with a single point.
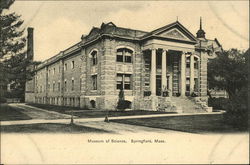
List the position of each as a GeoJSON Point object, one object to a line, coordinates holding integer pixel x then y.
{"type": "Point", "coordinates": [169, 72]}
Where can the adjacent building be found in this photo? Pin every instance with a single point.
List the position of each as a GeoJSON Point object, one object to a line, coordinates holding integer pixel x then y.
{"type": "Point", "coordinates": [151, 68]}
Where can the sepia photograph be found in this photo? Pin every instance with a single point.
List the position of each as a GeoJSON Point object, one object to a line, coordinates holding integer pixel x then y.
{"type": "Point", "coordinates": [124, 82]}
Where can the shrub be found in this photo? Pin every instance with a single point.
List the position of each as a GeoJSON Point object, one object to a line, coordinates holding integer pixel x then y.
{"type": "Point", "coordinates": [2, 100]}
{"type": "Point", "coordinates": [237, 110]}
{"type": "Point", "coordinates": [123, 104]}
{"type": "Point", "coordinates": [218, 103]}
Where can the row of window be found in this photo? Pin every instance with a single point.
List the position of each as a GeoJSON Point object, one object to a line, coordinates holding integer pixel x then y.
{"type": "Point", "coordinates": [53, 86]}
{"type": "Point", "coordinates": [123, 81]}
{"type": "Point", "coordinates": [122, 55]}
{"type": "Point", "coordinates": [67, 101]}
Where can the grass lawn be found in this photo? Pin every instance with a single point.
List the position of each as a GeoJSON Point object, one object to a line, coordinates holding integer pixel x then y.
{"type": "Point", "coordinates": [12, 113]}
{"type": "Point", "coordinates": [193, 124]}
{"type": "Point", "coordinates": [49, 128]}
{"type": "Point", "coordinates": [56, 108]}
{"type": "Point", "coordinates": [94, 113]}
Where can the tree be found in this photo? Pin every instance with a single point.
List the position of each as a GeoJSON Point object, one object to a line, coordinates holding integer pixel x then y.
{"type": "Point", "coordinates": [228, 71]}
{"type": "Point", "coordinates": [13, 61]}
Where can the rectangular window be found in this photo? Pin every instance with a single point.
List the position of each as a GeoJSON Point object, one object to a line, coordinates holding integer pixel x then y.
{"type": "Point", "coordinates": [196, 84]}
{"type": "Point", "coordinates": [59, 86]}
{"type": "Point", "coordinates": [48, 86]}
{"type": "Point", "coordinates": [195, 64]}
{"type": "Point", "coordinates": [72, 64]}
{"type": "Point", "coordinates": [188, 62]}
{"type": "Point", "coordinates": [158, 61]}
{"type": "Point", "coordinates": [119, 57]}
{"type": "Point", "coordinates": [128, 57]}
{"type": "Point", "coordinates": [73, 84]}
{"type": "Point", "coordinates": [187, 85]}
{"type": "Point", "coordinates": [94, 82]}
{"type": "Point", "coordinates": [65, 66]}
{"type": "Point", "coordinates": [119, 80]}
{"type": "Point", "coordinates": [54, 70]}
{"type": "Point", "coordinates": [123, 81]}
{"type": "Point", "coordinates": [65, 85]}
{"type": "Point", "coordinates": [53, 88]}
{"type": "Point", "coordinates": [94, 60]}
{"type": "Point", "coordinates": [127, 81]}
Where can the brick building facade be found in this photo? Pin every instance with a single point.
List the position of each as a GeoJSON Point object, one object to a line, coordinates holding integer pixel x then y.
{"type": "Point", "coordinates": [91, 73]}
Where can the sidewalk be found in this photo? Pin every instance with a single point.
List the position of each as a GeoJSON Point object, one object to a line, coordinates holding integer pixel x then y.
{"type": "Point", "coordinates": [82, 120]}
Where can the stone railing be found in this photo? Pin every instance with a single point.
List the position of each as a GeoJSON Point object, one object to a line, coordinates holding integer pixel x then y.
{"type": "Point", "coordinates": [203, 104]}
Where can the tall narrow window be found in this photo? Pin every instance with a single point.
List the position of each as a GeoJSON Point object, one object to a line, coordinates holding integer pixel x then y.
{"type": "Point", "coordinates": [94, 57]}
{"type": "Point", "coordinates": [195, 63]}
{"type": "Point", "coordinates": [128, 55]}
{"type": "Point", "coordinates": [48, 86]}
{"type": "Point", "coordinates": [54, 70]}
{"type": "Point", "coordinates": [127, 81]}
{"type": "Point", "coordinates": [188, 62]}
{"type": "Point", "coordinates": [187, 86]}
{"type": "Point", "coordinates": [94, 82]}
{"type": "Point", "coordinates": [65, 66]}
{"type": "Point", "coordinates": [59, 86]}
{"type": "Point", "coordinates": [119, 84]}
{"type": "Point", "coordinates": [158, 59]}
{"type": "Point", "coordinates": [65, 85]}
{"type": "Point", "coordinates": [72, 84]}
{"type": "Point", "coordinates": [72, 64]}
{"type": "Point", "coordinates": [53, 88]}
{"type": "Point", "coordinates": [119, 55]}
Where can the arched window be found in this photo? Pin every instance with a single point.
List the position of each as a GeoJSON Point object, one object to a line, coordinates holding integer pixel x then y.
{"type": "Point", "coordinates": [93, 104]}
{"type": "Point", "coordinates": [94, 57]}
{"type": "Point", "coordinates": [196, 61]}
{"type": "Point", "coordinates": [124, 55]}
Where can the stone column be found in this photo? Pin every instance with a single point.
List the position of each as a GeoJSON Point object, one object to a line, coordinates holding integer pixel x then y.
{"type": "Point", "coordinates": [153, 73]}
{"type": "Point", "coordinates": [163, 70]}
{"type": "Point", "coordinates": [199, 77]}
{"type": "Point", "coordinates": [191, 73]}
{"type": "Point", "coordinates": [183, 74]}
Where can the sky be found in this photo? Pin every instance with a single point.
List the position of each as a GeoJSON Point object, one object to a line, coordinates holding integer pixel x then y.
{"type": "Point", "coordinates": [60, 24]}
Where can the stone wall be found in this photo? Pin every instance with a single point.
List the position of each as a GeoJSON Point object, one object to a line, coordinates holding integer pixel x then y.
{"type": "Point", "coordinates": [203, 75]}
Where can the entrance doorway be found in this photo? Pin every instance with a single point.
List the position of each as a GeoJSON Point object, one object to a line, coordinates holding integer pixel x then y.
{"type": "Point", "coordinates": [158, 85]}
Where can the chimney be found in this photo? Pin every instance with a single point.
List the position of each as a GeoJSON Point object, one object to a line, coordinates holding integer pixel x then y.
{"type": "Point", "coordinates": [30, 44]}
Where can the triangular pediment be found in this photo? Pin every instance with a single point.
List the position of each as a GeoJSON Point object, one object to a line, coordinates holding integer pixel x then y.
{"type": "Point", "coordinates": [173, 33]}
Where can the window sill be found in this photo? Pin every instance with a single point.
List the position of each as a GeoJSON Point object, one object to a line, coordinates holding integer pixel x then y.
{"type": "Point", "coordinates": [124, 89]}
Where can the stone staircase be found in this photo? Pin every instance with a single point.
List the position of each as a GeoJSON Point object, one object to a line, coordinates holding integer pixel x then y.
{"type": "Point", "coordinates": [186, 105]}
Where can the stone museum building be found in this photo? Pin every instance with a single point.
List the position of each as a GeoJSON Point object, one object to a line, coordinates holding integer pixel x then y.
{"type": "Point", "coordinates": [160, 68]}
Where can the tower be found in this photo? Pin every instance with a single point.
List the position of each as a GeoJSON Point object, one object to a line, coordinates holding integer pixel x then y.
{"type": "Point", "coordinates": [201, 33]}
